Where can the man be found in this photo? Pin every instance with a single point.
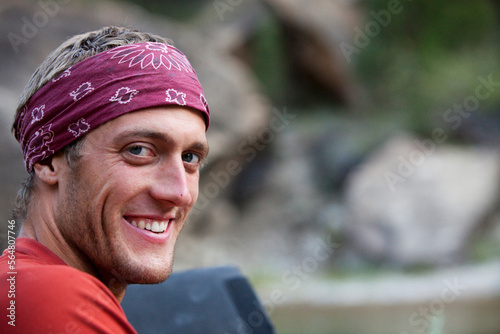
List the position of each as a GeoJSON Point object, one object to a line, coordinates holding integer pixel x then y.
{"type": "Point", "coordinates": [112, 128]}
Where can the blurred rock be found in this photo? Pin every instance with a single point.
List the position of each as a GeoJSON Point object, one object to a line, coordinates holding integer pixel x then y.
{"type": "Point", "coordinates": [315, 31]}
{"type": "Point", "coordinates": [416, 203]}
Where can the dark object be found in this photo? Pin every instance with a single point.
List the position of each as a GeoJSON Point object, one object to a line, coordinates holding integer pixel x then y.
{"type": "Point", "coordinates": [206, 301]}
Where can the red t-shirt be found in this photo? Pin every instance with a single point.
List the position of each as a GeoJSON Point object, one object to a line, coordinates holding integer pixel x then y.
{"type": "Point", "coordinates": [39, 293]}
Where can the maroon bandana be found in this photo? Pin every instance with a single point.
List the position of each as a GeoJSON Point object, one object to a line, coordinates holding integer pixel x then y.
{"type": "Point", "coordinates": [114, 82]}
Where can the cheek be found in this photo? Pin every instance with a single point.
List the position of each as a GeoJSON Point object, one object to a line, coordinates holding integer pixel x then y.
{"type": "Point", "coordinates": [107, 188]}
{"type": "Point", "coordinates": [194, 187]}
{"type": "Point", "coordinates": [120, 187]}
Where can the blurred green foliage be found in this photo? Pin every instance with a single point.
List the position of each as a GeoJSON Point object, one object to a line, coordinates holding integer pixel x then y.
{"type": "Point", "coordinates": [270, 59]}
{"type": "Point", "coordinates": [429, 57]}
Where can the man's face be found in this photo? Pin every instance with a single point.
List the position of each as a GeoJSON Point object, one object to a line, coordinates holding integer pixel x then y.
{"type": "Point", "coordinates": [123, 205]}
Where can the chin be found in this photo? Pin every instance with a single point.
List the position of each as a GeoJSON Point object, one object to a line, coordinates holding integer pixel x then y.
{"type": "Point", "coordinates": [151, 276]}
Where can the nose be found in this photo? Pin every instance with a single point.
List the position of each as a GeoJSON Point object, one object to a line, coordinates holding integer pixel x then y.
{"type": "Point", "coordinates": [173, 184]}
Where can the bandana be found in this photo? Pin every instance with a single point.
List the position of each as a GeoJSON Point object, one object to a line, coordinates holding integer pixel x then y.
{"type": "Point", "coordinates": [114, 82]}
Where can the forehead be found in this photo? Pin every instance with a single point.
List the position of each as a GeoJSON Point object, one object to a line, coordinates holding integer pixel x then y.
{"type": "Point", "coordinates": [178, 121]}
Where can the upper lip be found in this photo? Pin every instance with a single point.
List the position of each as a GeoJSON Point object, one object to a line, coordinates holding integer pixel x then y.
{"type": "Point", "coordinates": [148, 217]}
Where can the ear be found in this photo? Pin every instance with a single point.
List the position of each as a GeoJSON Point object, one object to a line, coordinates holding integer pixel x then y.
{"type": "Point", "coordinates": [49, 170]}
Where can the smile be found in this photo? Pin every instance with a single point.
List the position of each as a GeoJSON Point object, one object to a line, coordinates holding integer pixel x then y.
{"type": "Point", "coordinates": [153, 226]}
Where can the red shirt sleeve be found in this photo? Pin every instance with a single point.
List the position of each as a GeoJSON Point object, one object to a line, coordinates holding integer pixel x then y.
{"type": "Point", "coordinates": [64, 300]}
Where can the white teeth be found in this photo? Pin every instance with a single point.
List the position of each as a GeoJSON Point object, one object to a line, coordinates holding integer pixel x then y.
{"type": "Point", "coordinates": [156, 226]}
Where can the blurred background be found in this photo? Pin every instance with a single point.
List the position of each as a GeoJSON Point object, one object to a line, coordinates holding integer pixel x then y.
{"type": "Point", "coordinates": [354, 166]}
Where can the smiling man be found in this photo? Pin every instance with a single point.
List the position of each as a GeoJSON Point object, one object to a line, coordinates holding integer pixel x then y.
{"type": "Point", "coordinates": [112, 128]}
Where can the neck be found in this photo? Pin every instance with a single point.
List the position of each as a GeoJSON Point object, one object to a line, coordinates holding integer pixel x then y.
{"type": "Point", "coordinates": [51, 238]}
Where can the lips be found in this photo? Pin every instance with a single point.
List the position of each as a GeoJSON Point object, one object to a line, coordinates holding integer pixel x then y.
{"type": "Point", "coordinates": [157, 226]}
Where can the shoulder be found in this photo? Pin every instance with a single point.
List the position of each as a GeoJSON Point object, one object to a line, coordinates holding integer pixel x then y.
{"type": "Point", "coordinates": [57, 283]}
{"type": "Point", "coordinates": [59, 298]}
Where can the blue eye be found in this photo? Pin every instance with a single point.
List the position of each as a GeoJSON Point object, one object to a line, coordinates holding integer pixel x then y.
{"type": "Point", "coordinates": [191, 158]}
{"type": "Point", "coordinates": [138, 150]}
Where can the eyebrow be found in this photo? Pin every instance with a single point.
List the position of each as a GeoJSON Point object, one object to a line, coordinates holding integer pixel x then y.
{"type": "Point", "coordinates": [144, 133]}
